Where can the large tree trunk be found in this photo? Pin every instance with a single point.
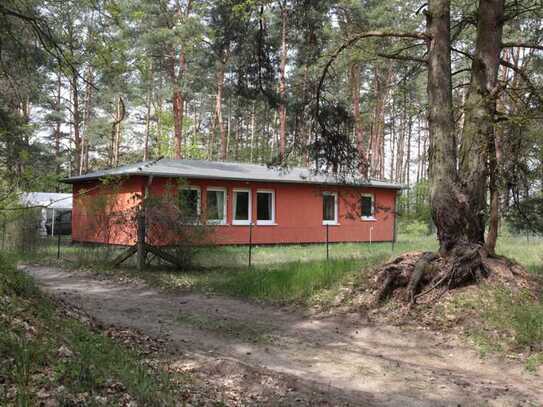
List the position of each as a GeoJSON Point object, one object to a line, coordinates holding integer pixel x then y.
{"type": "Point", "coordinates": [282, 84]}
{"type": "Point", "coordinates": [447, 201]}
{"type": "Point", "coordinates": [457, 205]}
{"type": "Point", "coordinates": [480, 108]}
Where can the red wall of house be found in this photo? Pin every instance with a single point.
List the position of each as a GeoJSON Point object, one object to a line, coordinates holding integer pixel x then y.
{"type": "Point", "coordinates": [103, 213]}
{"type": "Point", "coordinates": [298, 214]}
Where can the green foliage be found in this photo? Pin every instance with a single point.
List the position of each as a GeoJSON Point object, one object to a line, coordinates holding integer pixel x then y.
{"type": "Point", "coordinates": [526, 216]}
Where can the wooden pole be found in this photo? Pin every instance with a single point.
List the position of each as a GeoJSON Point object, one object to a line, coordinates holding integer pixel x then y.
{"type": "Point", "coordinates": [140, 245]}
{"type": "Point", "coordinates": [395, 213]}
{"type": "Point", "coordinates": [327, 246]}
{"type": "Point", "coordinates": [250, 242]}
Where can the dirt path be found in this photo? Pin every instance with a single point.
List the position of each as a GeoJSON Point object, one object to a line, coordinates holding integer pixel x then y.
{"type": "Point", "coordinates": [274, 357]}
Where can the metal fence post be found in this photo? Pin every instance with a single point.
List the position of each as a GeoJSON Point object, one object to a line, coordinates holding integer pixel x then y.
{"type": "Point", "coordinates": [250, 242]}
{"type": "Point", "coordinates": [58, 246]}
{"type": "Point", "coordinates": [395, 212]}
{"type": "Point", "coordinates": [327, 246]}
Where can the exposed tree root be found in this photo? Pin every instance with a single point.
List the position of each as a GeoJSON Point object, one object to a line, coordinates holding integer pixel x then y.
{"type": "Point", "coordinates": [415, 275]}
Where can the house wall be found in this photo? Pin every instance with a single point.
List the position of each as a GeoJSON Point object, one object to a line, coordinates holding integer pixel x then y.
{"type": "Point", "coordinates": [103, 213]}
{"type": "Point", "coordinates": [298, 213]}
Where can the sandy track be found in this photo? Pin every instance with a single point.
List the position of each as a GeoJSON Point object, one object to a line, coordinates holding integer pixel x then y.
{"type": "Point", "coordinates": [280, 357]}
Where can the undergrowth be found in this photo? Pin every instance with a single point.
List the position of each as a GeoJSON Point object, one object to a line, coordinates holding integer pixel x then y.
{"type": "Point", "coordinates": [44, 355]}
{"type": "Point", "coordinates": [497, 319]}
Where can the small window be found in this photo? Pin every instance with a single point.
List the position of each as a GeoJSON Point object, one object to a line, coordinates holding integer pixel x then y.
{"type": "Point", "coordinates": [366, 206]}
{"type": "Point", "coordinates": [329, 208]}
{"type": "Point", "coordinates": [216, 205]}
{"type": "Point", "coordinates": [189, 204]}
{"type": "Point", "coordinates": [242, 207]}
{"type": "Point", "coordinates": [265, 207]}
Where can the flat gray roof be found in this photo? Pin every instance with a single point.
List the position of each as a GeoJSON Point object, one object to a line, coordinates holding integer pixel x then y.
{"type": "Point", "coordinates": [201, 169]}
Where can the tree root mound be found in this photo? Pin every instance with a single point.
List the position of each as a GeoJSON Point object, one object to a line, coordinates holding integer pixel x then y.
{"type": "Point", "coordinates": [424, 277]}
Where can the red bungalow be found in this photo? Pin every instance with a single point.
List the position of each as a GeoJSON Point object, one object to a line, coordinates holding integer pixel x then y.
{"type": "Point", "coordinates": [279, 206]}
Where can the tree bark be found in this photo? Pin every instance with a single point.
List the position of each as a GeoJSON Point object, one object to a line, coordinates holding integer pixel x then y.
{"type": "Point", "coordinates": [76, 122]}
{"type": "Point", "coordinates": [218, 109]}
{"type": "Point", "coordinates": [354, 73]}
{"type": "Point", "coordinates": [282, 83]}
{"type": "Point", "coordinates": [480, 108]}
{"type": "Point", "coordinates": [57, 130]}
{"type": "Point", "coordinates": [116, 134]}
{"type": "Point", "coordinates": [148, 103]}
{"type": "Point", "coordinates": [177, 63]}
{"type": "Point", "coordinates": [446, 200]}
{"type": "Point", "coordinates": [87, 114]}
{"type": "Point", "coordinates": [378, 128]}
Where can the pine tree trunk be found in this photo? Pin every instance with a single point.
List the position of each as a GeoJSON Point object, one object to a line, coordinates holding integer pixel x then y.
{"type": "Point", "coordinates": [378, 128]}
{"type": "Point", "coordinates": [57, 130]}
{"type": "Point", "coordinates": [218, 110]}
{"type": "Point", "coordinates": [148, 103]}
{"type": "Point", "coordinates": [282, 84]}
{"type": "Point", "coordinates": [354, 73]}
{"type": "Point", "coordinates": [478, 131]}
{"type": "Point", "coordinates": [76, 123]}
{"type": "Point", "coordinates": [445, 197]}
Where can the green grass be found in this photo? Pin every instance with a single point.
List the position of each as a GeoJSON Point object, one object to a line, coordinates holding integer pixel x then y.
{"type": "Point", "coordinates": [528, 252]}
{"type": "Point", "coordinates": [31, 333]}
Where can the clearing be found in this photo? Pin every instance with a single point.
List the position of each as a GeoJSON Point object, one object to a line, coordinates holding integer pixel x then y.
{"type": "Point", "coordinates": [264, 354]}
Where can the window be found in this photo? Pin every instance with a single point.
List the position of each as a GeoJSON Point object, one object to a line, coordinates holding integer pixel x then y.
{"type": "Point", "coordinates": [329, 208]}
{"type": "Point", "coordinates": [366, 206]}
{"type": "Point", "coordinates": [242, 207]}
{"type": "Point", "coordinates": [189, 204]}
{"type": "Point", "coordinates": [265, 207]}
{"type": "Point", "coordinates": [216, 205]}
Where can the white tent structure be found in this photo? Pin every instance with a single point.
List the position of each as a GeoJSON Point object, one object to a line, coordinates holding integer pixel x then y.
{"type": "Point", "coordinates": [56, 209]}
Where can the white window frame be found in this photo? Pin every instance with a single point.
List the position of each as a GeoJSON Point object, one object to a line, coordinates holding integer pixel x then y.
{"type": "Point", "coordinates": [266, 222]}
{"type": "Point", "coordinates": [225, 210]}
{"type": "Point", "coordinates": [336, 208]}
{"type": "Point", "coordinates": [234, 203]}
{"type": "Point", "coordinates": [198, 202]}
{"type": "Point", "coordinates": [372, 217]}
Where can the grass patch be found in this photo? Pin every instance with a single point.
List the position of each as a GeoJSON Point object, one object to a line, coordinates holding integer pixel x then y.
{"type": "Point", "coordinates": [32, 368]}
{"type": "Point", "coordinates": [291, 282]}
{"type": "Point", "coordinates": [500, 320]}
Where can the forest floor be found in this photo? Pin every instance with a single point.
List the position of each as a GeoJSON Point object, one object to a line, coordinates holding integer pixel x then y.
{"type": "Point", "coordinates": [265, 354]}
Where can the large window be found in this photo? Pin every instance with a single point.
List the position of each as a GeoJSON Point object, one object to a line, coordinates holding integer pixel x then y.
{"type": "Point", "coordinates": [189, 204]}
{"type": "Point", "coordinates": [216, 205]}
{"type": "Point", "coordinates": [366, 207]}
{"type": "Point", "coordinates": [241, 207]}
{"type": "Point", "coordinates": [329, 208]}
{"type": "Point", "coordinates": [265, 207]}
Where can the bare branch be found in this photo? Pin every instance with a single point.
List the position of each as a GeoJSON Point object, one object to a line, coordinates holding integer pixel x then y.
{"type": "Point", "coordinates": [521, 45]}
{"type": "Point", "coordinates": [524, 77]}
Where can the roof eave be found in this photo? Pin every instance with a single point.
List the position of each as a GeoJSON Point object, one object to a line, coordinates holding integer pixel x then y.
{"type": "Point", "coordinates": [74, 180]}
